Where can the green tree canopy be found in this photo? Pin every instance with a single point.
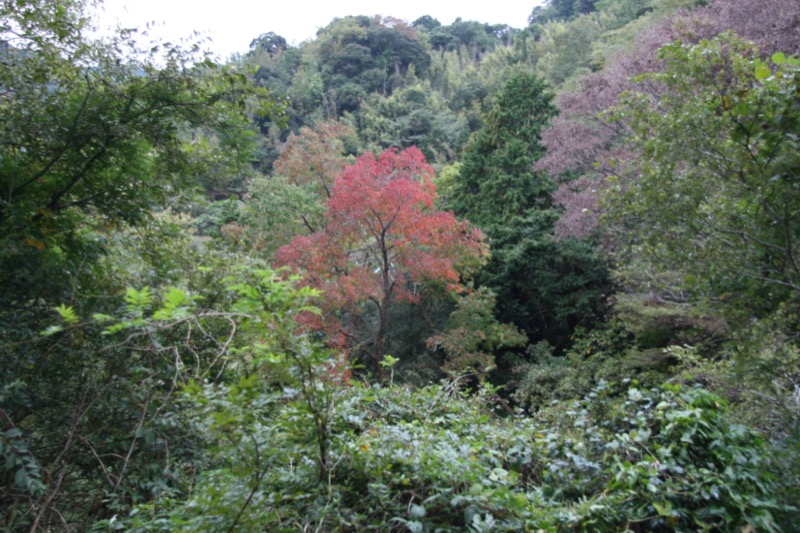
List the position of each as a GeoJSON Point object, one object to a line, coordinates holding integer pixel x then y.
{"type": "Point", "coordinates": [713, 194]}
{"type": "Point", "coordinates": [96, 133]}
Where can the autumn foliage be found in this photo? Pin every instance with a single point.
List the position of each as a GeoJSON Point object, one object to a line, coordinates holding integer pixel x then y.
{"type": "Point", "coordinates": [382, 242]}
{"type": "Point", "coordinates": [314, 156]}
{"type": "Point", "coordinates": [581, 141]}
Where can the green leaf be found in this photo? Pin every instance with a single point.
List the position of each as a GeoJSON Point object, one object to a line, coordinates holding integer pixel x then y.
{"type": "Point", "coordinates": [415, 527]}
{"type": "Point", "coordinates": [763, 72]}
{"type": "Point", "coordinates": [12, 433]}
{"type": "Point", "coordinates": [416, 511]}
{"type": "Point", "coordinates": [389, 361]}
{"type": "Point", "coordinates": [67, 314]}
{"type": "Point", "coordinates": [138, 300]}
{"type": "Point", "coordinates": [642, 435]}
{"type": "Point", "coordinates": [176, 302]}
{"type": "Point", "coordinates": [52, 330]}
{"type": "Point", "coordinates": [779, 58]}
{"type": "Point", "coordinates": [475, 489]}
{"type": "Point", "coordinates": [175, 298]}
{"type": "Point", "coordinates": [663, 509]}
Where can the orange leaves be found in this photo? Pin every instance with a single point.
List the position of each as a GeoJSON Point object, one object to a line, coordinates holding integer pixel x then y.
{"type": "Point", "coordinates": [314, 156]}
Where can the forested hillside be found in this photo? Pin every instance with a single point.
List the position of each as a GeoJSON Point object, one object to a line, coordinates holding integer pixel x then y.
{"type": "Point", "coordinates": [405, 276]}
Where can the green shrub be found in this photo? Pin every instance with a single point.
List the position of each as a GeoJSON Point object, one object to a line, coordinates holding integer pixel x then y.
{"type": "Point", "coordinates": [439, 459]}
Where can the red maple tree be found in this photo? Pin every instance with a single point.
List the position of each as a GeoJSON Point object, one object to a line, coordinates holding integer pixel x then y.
{"type": "Point", "coordinates": [382, 241]}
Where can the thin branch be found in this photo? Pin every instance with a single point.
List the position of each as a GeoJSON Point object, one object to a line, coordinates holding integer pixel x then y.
{"type": "Point", "coordinates": [59, 460]}
{"type": "Point", "coordinates": [139, 426]}
{"type": "Point", "coordinates": [258, 476]}
{"type": "Point", "coordinates": [60, 153]}
{"type": "Point", "coordinates": [103, 467]}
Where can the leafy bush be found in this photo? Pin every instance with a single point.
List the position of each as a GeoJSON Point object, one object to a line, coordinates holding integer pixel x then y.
{"type": "Point", "coordinates": [664, 460]}
{"type": "Point", "coordinates": [439, 459]}
{"type": "Point", "coordinates": [606, 352]}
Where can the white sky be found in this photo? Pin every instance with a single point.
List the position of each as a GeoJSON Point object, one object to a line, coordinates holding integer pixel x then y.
{"type": "Point", "coordinates": [232, 24]}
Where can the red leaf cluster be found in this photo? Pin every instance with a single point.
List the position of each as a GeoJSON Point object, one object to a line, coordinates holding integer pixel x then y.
{"type": "Point", "coordinates": [381, 242]}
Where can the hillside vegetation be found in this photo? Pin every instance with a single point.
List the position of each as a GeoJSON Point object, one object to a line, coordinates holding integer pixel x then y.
{"type": "Point", "coordinates": [405, 276]}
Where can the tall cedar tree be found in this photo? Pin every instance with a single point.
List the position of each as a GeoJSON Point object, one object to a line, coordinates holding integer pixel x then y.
{"type": "Point", "coordinates": [382, 240]}
{"type": "Point", "coordinates": [497, 180]}
{"type": "Point", "coordinates": [543, 286]}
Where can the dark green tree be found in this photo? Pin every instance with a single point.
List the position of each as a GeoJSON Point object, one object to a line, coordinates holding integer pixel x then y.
{"type": "Point", "coordinates": [360, 55]}
{"type": "Point", "coordinates": [497, 179]}
{"type": "Point", "coordinates": [270, 43]}
{"type": "Point", "coordinates": [426, 22]}
{"type": "Point", "coordinates": [561, 10]}
{"type": "Point", "coordinates": [543, 286]}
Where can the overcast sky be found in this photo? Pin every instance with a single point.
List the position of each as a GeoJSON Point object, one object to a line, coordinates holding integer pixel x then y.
{"type": "Point", "coordinates": [232, 24]}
